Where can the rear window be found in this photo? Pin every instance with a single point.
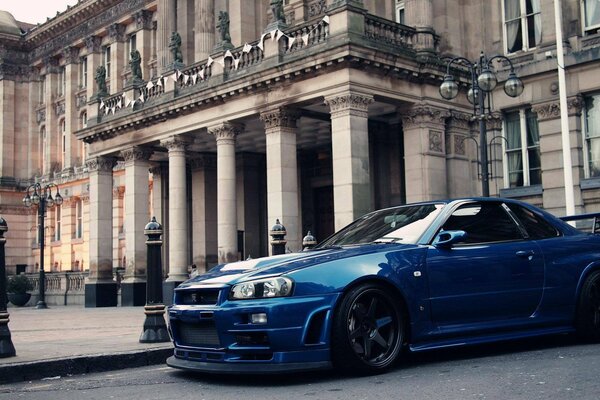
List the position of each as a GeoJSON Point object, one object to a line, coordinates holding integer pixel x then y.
{"type": "Point", "coordinates": [536, 226]}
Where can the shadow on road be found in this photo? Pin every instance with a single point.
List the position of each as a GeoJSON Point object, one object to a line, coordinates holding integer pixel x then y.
{"type": "Point", "coordinates": [409, 361]}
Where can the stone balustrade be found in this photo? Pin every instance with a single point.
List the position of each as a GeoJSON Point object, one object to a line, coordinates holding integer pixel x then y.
{"type": "Point", "coordinates": [62, 288]}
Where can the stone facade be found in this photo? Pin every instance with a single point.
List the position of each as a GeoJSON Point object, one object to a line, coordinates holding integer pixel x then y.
{"type": "Point", "coordinates": [334, 115]}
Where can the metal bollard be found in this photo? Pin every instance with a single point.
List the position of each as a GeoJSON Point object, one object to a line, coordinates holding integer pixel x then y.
{"type": "Point", "coordinates": [278, 241]}
{"type": "Point", "coordinates": [309, 241]}
{"type": "Point", "coordinates": [155, 329]}
{"type": "Point", "coordinates": [7, 349]}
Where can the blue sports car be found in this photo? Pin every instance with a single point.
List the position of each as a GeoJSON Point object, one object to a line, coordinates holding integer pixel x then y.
{"type": "Point", "coordinates": [417, 277]}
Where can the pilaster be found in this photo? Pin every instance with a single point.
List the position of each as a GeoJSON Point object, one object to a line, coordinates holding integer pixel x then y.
{"type": "Point", "coordinates": [204, 40]}
{"type": "Point", "coordinates": [460, 150]}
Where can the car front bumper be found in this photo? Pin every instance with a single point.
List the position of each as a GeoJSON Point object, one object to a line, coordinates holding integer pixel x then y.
{"type": "Point", "coordinates": [222, 338]}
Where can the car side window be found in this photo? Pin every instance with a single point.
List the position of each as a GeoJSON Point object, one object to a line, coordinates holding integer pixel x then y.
{"type": "Point", "coordinates": [484, 223]}
{"type": "Point", "coordinates": [536, 226]}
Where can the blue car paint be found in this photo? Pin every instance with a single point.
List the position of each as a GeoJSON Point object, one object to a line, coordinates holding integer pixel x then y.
{"type": "Point", "coordinates": [545, 301]}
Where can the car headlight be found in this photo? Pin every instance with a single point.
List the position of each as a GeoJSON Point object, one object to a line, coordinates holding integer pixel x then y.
{"type": "Point", "coordinates": [262, 288]}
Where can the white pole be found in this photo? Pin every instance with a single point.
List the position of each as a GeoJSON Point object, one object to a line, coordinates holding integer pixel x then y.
{"type": "Point", "coordinates": [564, 113]}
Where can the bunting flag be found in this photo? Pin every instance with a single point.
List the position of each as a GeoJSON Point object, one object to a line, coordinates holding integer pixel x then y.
{"type": "Point", "coordinates": [178, 73]}
{"type": "Point", "coordinates": [106, 110]}
{"type": "Point", "coordinates": [132, 104]}
{"type": "Point", "coordinates": [279, 35]}
{"type": "Point", "coordinates": [150, 85]}
{"type": "Point", "coordinates": [210, 61]}
{"type": "Point", "coordinates": [141, 98]}
{"type": "Point", "coordinates": [305, 39]}
{"type": "Point", "coordinates": [273, 34]}
{"type": "Point", "coordinates": [159, 81]}
{"type": "Point", "coordinates": [174, 76]}
{"type": "Point", "coordinates": [186, 78]}
{"type": "Point", "coordinates": [247, 48]}
{"type": "Point", "coordinates": [221, 62]}
{"type": "Point", "coordinates": [127, 102]}
{"type": "Point", "coordinates": [228, 54]}
{"type": "Point", "coordinates": [101, 104]}
{"type": "Point", "coordinates": [326, 19]}
{"type": "Point", "coordinates": [291, 41]}
{"type": "Point", "coordinates": [113, 110]}
{"type": "Point", "coordinates": [236, 63]}
{"type": "Point", "coordinates": [194, 79]}
{"type": "Point", "coordinates": [119, 104]}
{"type": "Point", "coordinates": [201, 74]}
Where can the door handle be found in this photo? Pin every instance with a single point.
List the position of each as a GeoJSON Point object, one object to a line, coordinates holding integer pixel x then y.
{"type": "Point", "coordinates": [525, 254]}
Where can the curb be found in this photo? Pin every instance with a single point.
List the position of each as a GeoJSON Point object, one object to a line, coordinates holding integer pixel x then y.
{"type": "Point", "coordinates": [34, 370]}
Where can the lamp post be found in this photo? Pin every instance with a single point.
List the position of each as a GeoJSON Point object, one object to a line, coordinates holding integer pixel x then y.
{"type": "Point", "coordinates": [41, 196]}
{"type": "Point", "coordinates": [483, 81]}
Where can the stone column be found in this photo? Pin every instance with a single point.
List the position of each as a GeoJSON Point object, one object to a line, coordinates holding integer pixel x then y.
{"type": "Point", "coordinates": [553, 180]}
{"type": "Point", "coordinates": [116, 34]}
{"type": "Point", "coordinates": [100, 288]}
{"type": "Point", "coordinates": [167, 23]}
{"type": "Point", "coordinates": [350, 154]}
{"type": "Point", "coordinates": [460, 172]}
{"type": "Point", "coordinates": [419, 13]}
{"type": "Point", "coordinates": [204, 211]}
{"type": "Point", "coordinates": [94, 60]}
{"type": "Point", "coordinates": [425, 153]}
{"type": "Point", "coordinates": [53, 134]}
{"type": "Point", "coordinates": [133, 287]}
{"type": "Point", "coordinates": [143, 24]}
{"type": "Point", "coordinates": [71, 56]}
{"type": "Point", "coordinates": [160, 207]}
{"type": "Point", "coordinates": [225, 135]}
{"type": "Point", "coordinates": [204, 40]}
{"type": "Point", "coordinates": [178, 222]}
{"type": "Point", "coordinates": [282, 172]}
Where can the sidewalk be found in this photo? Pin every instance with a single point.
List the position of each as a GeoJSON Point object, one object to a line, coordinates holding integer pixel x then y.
{"type": "Point", "coordinates": [70, 340]}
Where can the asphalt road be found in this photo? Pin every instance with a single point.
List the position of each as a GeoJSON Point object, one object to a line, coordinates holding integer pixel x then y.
{"type": "Point", "coordinates": [550, 368]}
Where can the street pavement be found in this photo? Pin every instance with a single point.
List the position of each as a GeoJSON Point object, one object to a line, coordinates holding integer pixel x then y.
{"type": "Point", "coordinates": [68, 340]}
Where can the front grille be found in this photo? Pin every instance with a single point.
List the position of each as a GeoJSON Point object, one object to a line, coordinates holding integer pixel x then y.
{"type": "Point", "coordinates": [205, 297]}
{"type": "Point", "coordinates": [202, 334]}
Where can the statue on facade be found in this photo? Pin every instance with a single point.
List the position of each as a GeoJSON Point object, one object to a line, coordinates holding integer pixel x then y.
{"type": "Point", "coordinates": [277, 10]}
{"type": "Point", "coordinates": [223, 26]}
{"type": "Point", "coordinates": [101, 81]}
{"type": "Point", "coordinates": [175, 47]}
{"type": "Point", "coordinates": [136, 66]}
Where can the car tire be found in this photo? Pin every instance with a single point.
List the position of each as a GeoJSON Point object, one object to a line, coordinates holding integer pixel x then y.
{"type": "Point", "coordinates": [587, 321]}
{"type": "Point", "coordinates": [367, 331]}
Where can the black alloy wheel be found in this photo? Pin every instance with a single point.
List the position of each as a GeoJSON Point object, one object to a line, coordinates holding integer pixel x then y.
{"type": "Point", "coordinates": [368, 330]}
{"type": "Point", "coordinates": [588, 311]}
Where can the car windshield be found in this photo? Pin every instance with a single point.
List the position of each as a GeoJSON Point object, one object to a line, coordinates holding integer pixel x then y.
{"type": "Point", "coordinates": [393, 225]}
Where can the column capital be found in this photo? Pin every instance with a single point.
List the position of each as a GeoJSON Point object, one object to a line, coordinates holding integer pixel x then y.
{"type": "Point", "coordinates": [143, 19]}
{"type": "Point", "coordinates": [71, 55]}
{"type": "Point", "coordinates": [100, 164]}
{"type": "Point", "coordinates": [424, 113]}
{"type": "Point", "coordinates": [281, 117]}
{"type": "Point", "coordinates": [116, 32]}
{"type": "Point", "coordinates": [547, 111]}
{"type": "Point", "coordinates": [136, 153]}
{"type": "Point", "coordinates": [51, 64]}
{"type": "Point", "coordinates": [226, 132]}
{"type": "Point", "coordinates": [119, 192]}
{"type": "Point", "coordinates": [156, 170]}
{"type": "Point", "coordinates": [493, 121]}
{"type": "Point", "coordinates": [459, 121]}
{"type": "Point", "coordinates": [175, 144]}
{"type": "Point", "coordinates": [93, 44]}
{"type": "Point", "coordinates": [203, 161]}
{"type": "Point", "coordinates": [355, 103]}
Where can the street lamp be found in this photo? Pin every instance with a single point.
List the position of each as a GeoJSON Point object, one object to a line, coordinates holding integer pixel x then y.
{"type": "Point", "coordinates": [483, 82]}
{"type": "Point", "coordinates": [41, 196]}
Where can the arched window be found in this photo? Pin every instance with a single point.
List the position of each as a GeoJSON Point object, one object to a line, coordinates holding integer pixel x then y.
{"type": "Point", "coordinates": [78, 219]}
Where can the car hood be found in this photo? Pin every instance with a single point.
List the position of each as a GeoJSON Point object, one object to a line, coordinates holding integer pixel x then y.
{"type": "Point", "coordinates": [232, 273]}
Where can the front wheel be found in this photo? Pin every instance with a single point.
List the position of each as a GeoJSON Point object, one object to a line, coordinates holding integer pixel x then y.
{"type": "Point", "coordinates": [588, 311]}
{"type": "Point", "coordinates": [367, 331]}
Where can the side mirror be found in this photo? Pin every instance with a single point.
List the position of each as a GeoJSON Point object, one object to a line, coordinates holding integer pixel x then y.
{"type": "Point", "coordinates": [445, 239]}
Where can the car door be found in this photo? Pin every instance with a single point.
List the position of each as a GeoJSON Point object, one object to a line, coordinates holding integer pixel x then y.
{"type": "Point", "coordinates": [496, 274]}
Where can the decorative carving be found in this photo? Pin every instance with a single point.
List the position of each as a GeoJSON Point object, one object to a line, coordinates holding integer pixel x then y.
{"type": "Point", "coordinates": [424, 113]}
{"type": "Point", "coordinates": [93, 44]}
{"type": "Point", "coordinates": [101, 81]}
{"type": "Point", "coordinates": [546, 111]}
{"type": "Point", "coordinates": [226, 132]}
{"type": "Point", "coordinates": [223, 27]}
{"type": "Point", "coordinates": [493, 121]}
{"type": "Point", "coordinates": [116, 32]}
{"type": "Point", "coordinates": [575, 104]}
{"type": "Point", "coordinates": [81, 100]}
{"type": "Point", "coordinates": [175, 47]}
{"type": "Point", "coordinates": [143, 19]}
{"type": "Point", "coordinates": [71, 55]}
{"type": "Point", "coordinates": [317, 8]}
{"type": "Point", "coordinates": [436, 142]}
{"type": "Point", "coordinates": [40, 116]}
{"type": "Point", "coordinates": [119, 192]}
{"type": "Point", "coordinates": [204, 161]}
{"type": "Point", "coordinates": [459, 121]}
{"type": "Point", "coordinates": [175, 144]}
{"type": "Point", "coordinates": [280, 117]}
{"type": "Point", "coordinates": [60, 108]}
{"type": "Point", "coordinates": [136, 68]}
{"type": "Point", "coordinates": [459, 145]}
{"type": "Point", "coordinates": [100, 164]}
{"type": "Point", "coordinates": [358, 104]}
{"type": "Point", "coordinates": [277, 11]}
{"type": "Point", "coordinates": [51, 64]}
{"type": "Point", "coordinates": [136, 153]}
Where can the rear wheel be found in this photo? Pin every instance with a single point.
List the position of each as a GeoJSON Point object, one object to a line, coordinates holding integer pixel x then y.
{"type": "Point", "coordinates": [367, 330]}
{"type": "Point", "coordinates": [588, 310]}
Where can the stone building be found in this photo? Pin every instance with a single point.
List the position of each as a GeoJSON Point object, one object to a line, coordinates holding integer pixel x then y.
{"type": "Point", "coordinates": [243, 112]}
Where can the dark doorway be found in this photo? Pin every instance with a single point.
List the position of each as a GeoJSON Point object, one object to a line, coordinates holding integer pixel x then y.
{"type": "Point", "coordinates": [323, 206]}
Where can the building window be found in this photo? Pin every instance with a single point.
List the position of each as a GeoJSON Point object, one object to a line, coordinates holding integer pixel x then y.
{"type": "Point", "coordinates": [591, 14]}
{"type": "Point", "coordinates": [83, 72]}
{"type": "Point", "coordinates": [132, 43]}
{"type": "Point", "coordinates": [522, 165]}
{"type": "Point", "coordinates": [591, 131]}
{"type": "Point", "coordinates": [78, 219]}
{"type": "Point", "coordinates": [42, 91]}
{"type": "Point", "coordinates": [57, 222]}
{"type": "Point", "coordinates": [62, 82]}
{"type": "Point", "coordinates": [43, 154]}
{"type": "Point", "coordinates": [63, 130]}
{"type": "Point", "coordinates": [106, 60]}
{"type": "Point", "coordinates": [522, 24]}
{"type": "Point", "coordinates": [400, 12]}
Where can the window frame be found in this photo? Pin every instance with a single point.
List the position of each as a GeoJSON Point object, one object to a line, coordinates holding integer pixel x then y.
{"type": "Point", "coordinates": [106, 60]}
{"type": "Point", "coordinates": [400, 7]}
{"type": "Point", "coordinates": [524, 31]}
{"type": "Point", "coordinates": [584, 133]}
{"type": "Point", "coordinates": [78, 234]}
{"type": "Point", "coordinates": [586, 29]}
{"type": "Point", "coordinates": [524, 149]}
{"type": "Point", "coordinates": [83, 72]}
{"type": "Point", "coordinates": [57, 222]}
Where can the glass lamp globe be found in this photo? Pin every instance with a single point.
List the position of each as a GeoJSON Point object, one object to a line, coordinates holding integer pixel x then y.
{"type": "Point", "coordinates": [513, 86]}
{"type": "Point", "coordinates": [58, 199]}
{"type": "Point", "coordinates": [449, 88]}
{"type": "Point", "coordinates": [27, 200]}
{"type": "Point", "coordinates": [473, 96]}
{"type": "Point", "coordinates": [487, 80]}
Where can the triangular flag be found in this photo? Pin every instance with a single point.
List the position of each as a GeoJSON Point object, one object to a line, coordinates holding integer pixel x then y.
{"type": "Point", "coordinates": [179, 73]}
{"type": "Point", "coordinates": [210, 61]}
{"type": "Point", "coordinates": [221, 61]}
{"type": "Point", "coordinates": [106, 110]}
{"type": "Point", "coordinates": [201, 74]}
{"type": "Point", "coordinates": [186, 78]}
{"type": "Point", "coordinates": [326, 19]}
{"type": "Point", "coordinates": [273, 34]}
{"type": "Point", "coordinates": [228, 54]}
{"type": "Point", "coordinates": [174, 76]}
{"type": "Point", "coordinates": [159, 81]}
{"type": "Point", "coordinates": [101, 104]}
{"type": "Point", "coordinates": [119, 104]}
{"type": "Point", "coordinates": [132, 103]}
{"type": "Point", "coordinates": [127, 102]}
{"type": "Point", "coordinates": [150, 85]}
{"type": "Point", "coordinates": [305, 39]}
{"type": "Point", "coordinates": [236, 63]}
{"type": "Point", "coordinates": [113, 110]}
{"type": "Point", "coordinates": [247, 48]}
{"type": "Point", "coordinates": [291, 41]}
{"type": "Point", "coordinates": [279, 35]}
{"type": "Point", "coordinates": [260, 42]}
{"type": "Point", "coordinates": [141, 98]}
{"type": "Point", "coordinates": [194, 79]}
{"type": "Point", "coordinates": [124, 95]}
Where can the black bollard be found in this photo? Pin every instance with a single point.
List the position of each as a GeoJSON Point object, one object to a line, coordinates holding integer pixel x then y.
{"type": "Point", "coordinates": [6, 346]}
{"type": "Point", "coordinates": [155, 329]}
{"type": "Point", "coordinates": [309, 241]}
{"type": "Point", "coordinates": [278, 241]}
